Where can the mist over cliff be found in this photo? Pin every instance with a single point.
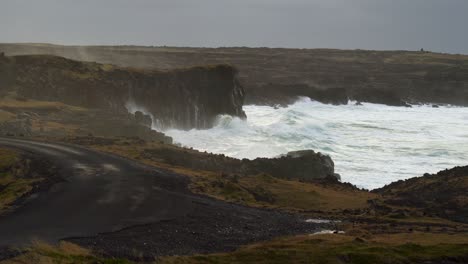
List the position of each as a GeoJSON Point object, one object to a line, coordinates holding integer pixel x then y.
{"type": "Point", "coordinates": [279, 76]}
{"type": "Point", "coordinates": [184, 98]}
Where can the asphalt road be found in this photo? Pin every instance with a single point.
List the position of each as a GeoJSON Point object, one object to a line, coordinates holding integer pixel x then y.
{"type": "Point", "coordinates": [109, 203]}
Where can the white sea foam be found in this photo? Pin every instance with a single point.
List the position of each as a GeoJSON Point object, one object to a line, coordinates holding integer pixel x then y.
{"type": "Point", "coordinates": [372, 145]}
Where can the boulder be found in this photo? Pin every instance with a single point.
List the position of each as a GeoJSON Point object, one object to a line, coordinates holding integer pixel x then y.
{"type": "Point", "coordinates": [305, 165]}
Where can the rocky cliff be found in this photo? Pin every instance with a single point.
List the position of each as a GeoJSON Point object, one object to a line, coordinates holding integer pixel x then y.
{"type": "Point", "coordinates": [305, 165]}
{"type": "Point", "coordinates": [278, 76]}
{"type": "Point", "coordinates": [184, 98]}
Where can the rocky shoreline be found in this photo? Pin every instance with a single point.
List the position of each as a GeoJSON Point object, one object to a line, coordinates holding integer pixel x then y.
{"type": "Point", "coordinates": [278, 76]}
{"type": "Point", "coordinates": [394, 209]}
{"type": "Point", "coordinates": [191, 202]}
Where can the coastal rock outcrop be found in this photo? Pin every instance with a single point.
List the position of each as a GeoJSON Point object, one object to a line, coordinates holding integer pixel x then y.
{"type": "Point", "coordinates": [306, 165]}
{"type": "Point", "coordinates": [443, 194]}
{"type": "Point", "coordinates": [279, 76]}
{"type": "Point", "coordinates": [184, 98]}
{"type": "Point", "coordinates": [303, 165]}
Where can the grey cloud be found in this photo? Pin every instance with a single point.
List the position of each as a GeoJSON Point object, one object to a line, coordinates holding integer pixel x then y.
{"type": "Point", "coordinates": [367, 24]}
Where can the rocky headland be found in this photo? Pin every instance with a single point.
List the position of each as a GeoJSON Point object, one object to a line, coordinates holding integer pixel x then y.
{"type": "Point", "coordinates": [279, 76]}
{"type": "Point", "coordinates": [184, 98]}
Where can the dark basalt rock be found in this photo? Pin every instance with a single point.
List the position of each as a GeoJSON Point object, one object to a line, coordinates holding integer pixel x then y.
{"type": "Point", "coordinates": [278, 94]}
{"type": "Point", "coordinates": [302, 165]}
{"type": "Point", "coordinates": [305, 165]}
{"type": "Point", "coordinates": [185, 98]}
{"type": "Point", "coordinates": [442, 194]}
{"type": "Point", "coordinates": [269, 74]}
{"type": "Point", "coordinates": [371, 95]}
{"type": "Point", "coordinates": [143, 119]}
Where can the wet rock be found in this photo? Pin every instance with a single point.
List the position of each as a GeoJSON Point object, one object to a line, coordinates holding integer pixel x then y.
{"type": "Point", "coordinates": [284, 94]}
{"type": "Point", "coordinates": [185, 99]}
{"type": "Point", "coordinates": [143, 119]}
{"type": "Point", "coordinates": [371, 95]}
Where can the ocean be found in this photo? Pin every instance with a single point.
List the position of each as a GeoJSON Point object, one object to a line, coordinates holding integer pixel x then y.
{"type": "Point", "coordinates": [371, 144]}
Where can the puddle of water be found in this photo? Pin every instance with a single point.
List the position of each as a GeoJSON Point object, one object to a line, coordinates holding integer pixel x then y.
{"type": "Point", "coordinates": [321, 221]}
{"type": "Point", "coordinates": [110, 167]}
{"type": "Point", "coordinates": [324, 232]}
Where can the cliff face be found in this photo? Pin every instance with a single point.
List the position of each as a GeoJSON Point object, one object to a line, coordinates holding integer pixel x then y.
{"type": "Point", "coordinates": [272, 76]}
{"type": "Point", "coordinates": [184, 98]}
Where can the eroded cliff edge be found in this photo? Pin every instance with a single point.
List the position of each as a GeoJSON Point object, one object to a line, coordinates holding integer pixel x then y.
{"type": "Point", "coordinates": [278, 76]}
{"type": "Point", "coordinates": [183, 98]}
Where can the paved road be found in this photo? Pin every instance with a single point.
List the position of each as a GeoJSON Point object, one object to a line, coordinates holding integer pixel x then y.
{"type": "Point", "coordinates": [100, 193]}
{"type": "Point", "coordinates": [105, 193]}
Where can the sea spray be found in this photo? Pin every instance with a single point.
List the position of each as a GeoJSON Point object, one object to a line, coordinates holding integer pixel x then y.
{"type": "Point", "coordinates": [372, 145]}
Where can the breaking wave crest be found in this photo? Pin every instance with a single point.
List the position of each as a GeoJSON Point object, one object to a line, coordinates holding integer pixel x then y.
{"type": "Point", "coordinates": [372, 145]}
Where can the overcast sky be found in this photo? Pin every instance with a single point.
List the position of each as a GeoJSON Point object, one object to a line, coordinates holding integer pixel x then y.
{"type": "Point", "coordinates": [437, 25]}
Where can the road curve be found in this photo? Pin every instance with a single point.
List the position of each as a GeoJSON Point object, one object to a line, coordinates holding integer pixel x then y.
{"type": "Point", "coordinates": [104, 196]}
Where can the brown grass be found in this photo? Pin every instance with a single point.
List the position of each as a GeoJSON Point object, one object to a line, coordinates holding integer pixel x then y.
{"type": "Point", "coordinates": [400, 248]}
{"type": "Point", "coordinates": [10, 104]}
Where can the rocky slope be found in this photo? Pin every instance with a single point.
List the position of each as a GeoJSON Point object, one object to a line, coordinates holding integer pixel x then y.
{"type": "Point", "coordinates": [443, 194]}
{"type": "Point", "coordinates": [300, 165]}
{"type": "Point", "coordinates": [184, 98]}
{"type": "Point", "coordinates": [272, 76]}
